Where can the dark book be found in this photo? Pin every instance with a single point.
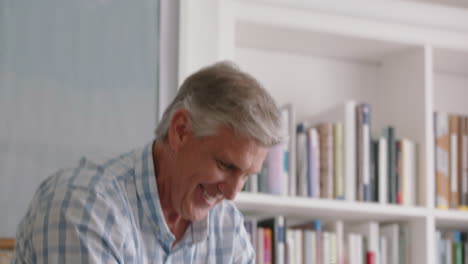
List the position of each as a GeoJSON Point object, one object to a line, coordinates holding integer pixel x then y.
{"type": "Point", "coordinates": [389, 134]}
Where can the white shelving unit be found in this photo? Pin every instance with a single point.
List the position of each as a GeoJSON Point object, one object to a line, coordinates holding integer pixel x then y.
{"type": "Point", "coordinates": [407, 59]}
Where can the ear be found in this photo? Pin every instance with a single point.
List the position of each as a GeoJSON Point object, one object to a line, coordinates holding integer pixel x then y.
{"type": "Point", "coordinates": [180, 130]}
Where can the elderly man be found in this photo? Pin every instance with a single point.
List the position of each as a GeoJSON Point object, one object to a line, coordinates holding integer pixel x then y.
{"type": "Point", "coordinates": [166, 202]}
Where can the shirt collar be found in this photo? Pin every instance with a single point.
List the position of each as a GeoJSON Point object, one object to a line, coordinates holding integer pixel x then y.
{"type": "Point", "coordinates": [147, 191]}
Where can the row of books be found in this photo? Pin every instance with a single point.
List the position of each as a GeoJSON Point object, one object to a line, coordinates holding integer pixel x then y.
{"type": "Point", "coordinates": [451, 160]}
{"type": "Point", "coordinates": [451, 247]}
{"type": "Point", "coordinates": [333, 242]}
{"type": "Point", "coordinates": [333, 155]}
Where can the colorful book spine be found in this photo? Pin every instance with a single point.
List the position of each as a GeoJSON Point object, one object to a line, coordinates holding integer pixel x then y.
{"type": "Point", "coordinates": [457, 248]}
{"type": "Point", "coordinates": [268, 246]}
{"type": "Point", "coordinates": [277, 225]}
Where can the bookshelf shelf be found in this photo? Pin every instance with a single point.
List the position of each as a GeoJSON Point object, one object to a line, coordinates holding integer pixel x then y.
{"type": "Point", "coordinates": [308, 208]}
{"type": "Point", "coordinates": [406, 59]}
{"type": "Point", "coordinates": [451, 219]}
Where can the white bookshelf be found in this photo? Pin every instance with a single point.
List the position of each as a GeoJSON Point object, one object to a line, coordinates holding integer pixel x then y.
{"type": "Point", "coordinates": [307, 208]}
{"type": "Point", "coordinates": [407, 59]}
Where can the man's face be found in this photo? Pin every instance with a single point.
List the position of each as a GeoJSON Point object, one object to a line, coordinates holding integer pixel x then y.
{"type": "Point", "coordinates": [211, 169]}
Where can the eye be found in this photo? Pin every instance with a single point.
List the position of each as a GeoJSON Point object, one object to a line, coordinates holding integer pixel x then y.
{"type": "Point", "coordinates": [223, 165]}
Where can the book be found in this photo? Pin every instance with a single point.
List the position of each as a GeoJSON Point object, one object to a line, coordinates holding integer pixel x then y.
{"type": "Point", "coordinates": [289, 128]}
{"type": "Point", "coordinates": [314, 166]}
{"type": "Point", "coordinates": [457, 248]}
{"type": "Point", "coordinates": [325, 131]}
{"type": "Point", "coordinates": [344, 113]}
{"type": "Point", "coordinates": [268, 246]}
{"type": "Point", "coordinates": [276, 178]}
{"type": "Point", "coordinates": [408, 172]}
{"type": "Point", "coordinates": [309, 249]}
{"type": "Point", "coordinates": [250, 224]}
{"type": "Point", "coordinates": [442, 148]}
{"type": "Point", "coordinates": [363, 153]}
{"type": "Point", "coordinates": [392, 233]}
{"type": "Point", "coordinates": [453, 158]}
{"type": "Point", "coordinates": [326, 247]}
{"type": "Point", "coordinates": [382, 170]}
{"type": "Point", "coordinates": [299, 239]}
{"type": "Point", "coordinates": [339, 192]}
{"type": "Point", "coordinates": [302, 162]}
{"type": "Point", "coordinates": [389, 134]}
{"type": "Point", "coordinates": [290, 246]}
{"type": "Point", "coordinates": [260, 247]}
{"type": "Point", "coordinates": [337, 227]}
{"type": "Point", "coordinates": [464, 163]}
{"type": "Point", "coordinates": [399, 172]}
{"type": "Point", "coordinates": [383, 250]}
{"type": "Point", "coordinates": [374, 175]}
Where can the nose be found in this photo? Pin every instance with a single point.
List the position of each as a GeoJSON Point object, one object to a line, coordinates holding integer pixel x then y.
{"type": "Point", "coordinates": [230, 188]}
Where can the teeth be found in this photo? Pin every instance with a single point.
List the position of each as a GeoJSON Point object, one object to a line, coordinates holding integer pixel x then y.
{"type": "Point", "coordinates": [208, 197]}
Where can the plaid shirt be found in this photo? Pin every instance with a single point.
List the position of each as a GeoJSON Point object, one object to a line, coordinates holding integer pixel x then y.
{"type": "Point", "coordinates": [111, 213]}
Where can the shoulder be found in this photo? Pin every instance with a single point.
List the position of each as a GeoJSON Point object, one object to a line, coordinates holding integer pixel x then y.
{"type": "Point", "coordinates": [84, 198]}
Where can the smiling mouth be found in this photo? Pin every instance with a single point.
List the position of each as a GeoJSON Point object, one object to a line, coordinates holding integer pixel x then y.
{"type": "Point", "coordinates": [209, 198]}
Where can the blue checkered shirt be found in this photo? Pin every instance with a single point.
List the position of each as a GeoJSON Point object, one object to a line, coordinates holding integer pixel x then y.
{"type": "Point", "coordinates": [110, 213]}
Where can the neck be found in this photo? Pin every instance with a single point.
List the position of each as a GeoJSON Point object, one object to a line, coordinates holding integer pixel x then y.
{"type": "Point", "coordinates": [163, 163]}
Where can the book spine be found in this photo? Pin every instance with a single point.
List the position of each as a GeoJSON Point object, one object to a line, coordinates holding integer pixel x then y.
{"type": "Point", "coordinates": [374, 176]}
{"type": "Point", "coordinates": [399, 174]}
{"type": "Point", "coordinates": [314, 162]}
{"type": "Point", "coordinates": [359, 155]}
{"type": "Point", "coordinates": [350, 150]}
{"type": "Point", "coordinates": [464, 162]}
{"type": "Point", "coordinates": [370, 258]}
{"type": "Point", "coordinates": [457, 248]}
{"type": "Point", "coordinates": [453, 130]}
{"type": "Point", "coordinates": [338, 160]}
{"type": "Point", "coordinates": [366, 152]}
{"type": "Point", "coordinates": [260, 245]}
{"type": "Point", "coordinates": [325, 131]}
{"type": "Point", "coordinates": [408, 171]}
{"type": "Point", "coordinates": [276, 177]}
{"type": "Point", "coordinates": [285, 166]}
{"type": "Point", "coordinates": [279, 238]}
{"type": "Point", "coordinates": [442, 149]}
{"type": "Point", "coordinates": [318, 241]}
{"type": "Point", "coordinates": [268, 246]}
{"type": "Point", "coordinates": [302, 162]}
{"type": "Point", "coordinates": [382, 170]}
{"type": "Point", "coordinates": [389, 133]}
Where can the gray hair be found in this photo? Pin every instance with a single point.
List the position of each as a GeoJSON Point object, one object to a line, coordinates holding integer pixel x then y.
{"type": "Point", "coordinates": [221, 94]}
